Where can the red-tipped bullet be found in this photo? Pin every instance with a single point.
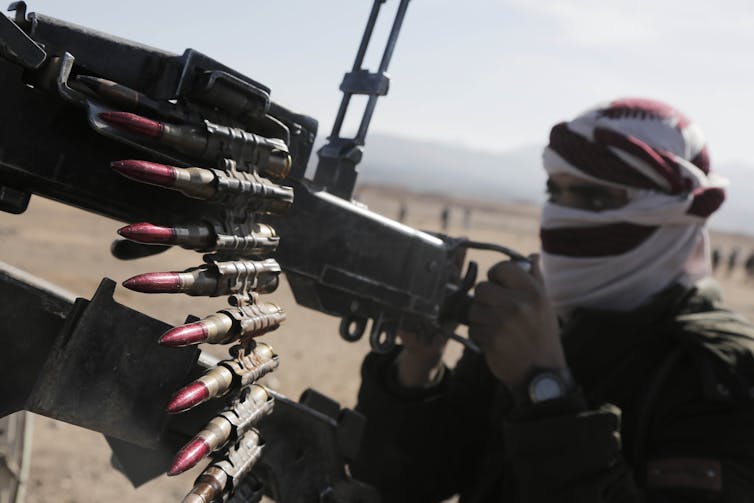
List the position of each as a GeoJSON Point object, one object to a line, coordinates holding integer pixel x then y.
{"type": "Point", "coordinates": [188, 397]}
{"type": "Point", "coordinates": [155, 282]}
{"type": "Point", "coordinates": [147, 233]}
{"type": "Point", "coordinates": [132, 123]}
{"type": "Point", "coordinates": [189, 455]}
{"type": "Point", "coordinates": [148, 172]}
{"type": "Point", "coordinates": [185, 335]}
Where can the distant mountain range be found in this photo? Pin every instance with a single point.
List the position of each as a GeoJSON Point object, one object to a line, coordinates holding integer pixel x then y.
{"type": "Point", "coordinates": [516, 175]}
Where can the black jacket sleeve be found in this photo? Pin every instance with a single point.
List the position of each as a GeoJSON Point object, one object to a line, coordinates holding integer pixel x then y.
{"type": "Point", "coordinates": [422, 445]}
{"type": "Point", "coordinates": [427, 445]}
{"type": "Point", "coordinates": [697, 448]}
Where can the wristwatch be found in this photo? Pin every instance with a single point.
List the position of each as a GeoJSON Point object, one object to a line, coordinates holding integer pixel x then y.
{"type": "Point", "coordinates": [549, 384]}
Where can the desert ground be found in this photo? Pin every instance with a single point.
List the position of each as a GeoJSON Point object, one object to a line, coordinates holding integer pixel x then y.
{"type": "Point", "coordinates": [71, 248]}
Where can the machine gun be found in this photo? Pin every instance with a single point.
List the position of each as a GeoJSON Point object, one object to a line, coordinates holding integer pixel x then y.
{"type": "Point", "coordinates": [199, 156]}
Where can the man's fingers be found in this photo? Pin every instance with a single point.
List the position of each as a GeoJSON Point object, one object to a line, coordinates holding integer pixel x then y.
{"type": "Point", "coordinates": [481, 315]}
{"type": "Point", "coordinates": [492, 294]}
{"type": "Point", "coordinates": [511, 275]}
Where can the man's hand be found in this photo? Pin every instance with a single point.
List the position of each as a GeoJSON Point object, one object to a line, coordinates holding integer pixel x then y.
{"type": "Point", "coordinates": [513, 322]}
{"type": "Point", "coordinates": [420, 360]}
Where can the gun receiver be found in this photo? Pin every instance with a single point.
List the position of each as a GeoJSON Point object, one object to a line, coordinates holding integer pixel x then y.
{"type": "Point", "coordinates": [340, 258]}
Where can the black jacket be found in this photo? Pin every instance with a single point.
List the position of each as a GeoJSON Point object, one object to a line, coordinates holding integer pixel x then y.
{"type": "Point", "coordinates": [665, 413]}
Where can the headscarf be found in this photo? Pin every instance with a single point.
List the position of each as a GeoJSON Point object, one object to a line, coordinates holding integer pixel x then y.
{"type": "Point", "coordinates": [619, 258]}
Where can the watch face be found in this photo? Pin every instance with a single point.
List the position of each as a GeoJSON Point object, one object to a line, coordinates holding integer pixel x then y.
{"type": "Point", "coordinates": [546, 386]}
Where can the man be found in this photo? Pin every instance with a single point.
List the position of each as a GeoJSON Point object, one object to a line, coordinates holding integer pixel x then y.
{"type": "Point", "coordinates": [614, 375]}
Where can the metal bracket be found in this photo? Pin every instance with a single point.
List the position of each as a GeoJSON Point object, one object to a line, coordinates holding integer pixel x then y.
{"type": "Point", "coordinates": [15, 44]}
{"type": "Point", "coordinates": [13, 200]}
{"type": "Point", "coordinates": [336, 170]}
{"type": "Point", "coordinates": [106, 372]}
{"type": "Point", "coordinates": [363, 82]}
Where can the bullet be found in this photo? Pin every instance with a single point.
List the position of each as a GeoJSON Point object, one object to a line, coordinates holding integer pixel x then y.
{"type": "Point", "coordinates": [227, 326]}
{"type": "Point", "coordinates": [239, 372]}
{"type": "Point", "coordinates": [185, 335]}
{"type": "Point", "coordinates": [132, 100]}
{"type": "Point", "coordinates": [228, 425]}
{"type": "Point", "coordinates": [223, 475]}
{"type": "Point", "coordinates": [210, 142]}
{"type": "Point", "coordinates": [144, 232]}
{"type": "Point", "coordinates": [194, 237]}
{"type": "Point", "coordinates": [209, 487]}
{"type": "Point", "coordinates": [262, 240]}
{"type": "Point", "coordinates": [121, 95]}
{"type": "Point", "coordinates": [134, 124]}
{"type": "Point", "coordinates": [214, 329]}
{"type": "Point", "coordinates": [211, 280]}
{"type": "Point", "coordinates": [188, 397]}
{"type": "Point", "coordinates": [197, 183]}
{"type": "Point", "coordinates": [200, 183]}
{"type": "Point", "coordinates": [189, 455]}
{"type": "Point", "coordinates": [148, 172]}
{"type": "Point", "coordinates": [187, 139]}
{"type": "Point", "coordinates": [156, 282]}
{"type": "Point", "coordinates": [215, 382]}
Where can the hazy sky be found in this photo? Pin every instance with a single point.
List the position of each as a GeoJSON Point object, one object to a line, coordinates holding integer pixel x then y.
{"type": "Point", "coordinates": [492, 74]}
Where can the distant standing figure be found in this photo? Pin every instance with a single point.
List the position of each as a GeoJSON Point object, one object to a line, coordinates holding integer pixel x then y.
{"type": "Point", "coordinates": [402, 212]}
{"type": "Point", "coordinates": [749, 267]}
{"type": "Point", "coordinates": [715, 259]}
{"type": "Point", "coordinates": [732, 260]}
{"type": "Point", "coordinates": [445, 218]}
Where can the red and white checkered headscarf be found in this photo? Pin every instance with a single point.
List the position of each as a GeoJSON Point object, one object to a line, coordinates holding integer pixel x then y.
{"type": "Point", "coordinates": [619, 258]}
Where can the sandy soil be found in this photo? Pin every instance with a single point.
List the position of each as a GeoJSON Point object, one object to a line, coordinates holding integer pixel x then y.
{"type": "Point", "coordinates": [71, 248]}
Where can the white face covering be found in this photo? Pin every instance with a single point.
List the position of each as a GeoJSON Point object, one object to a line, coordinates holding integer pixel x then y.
{"type": "Point", "coordinates": [672, 253]}
{"type": "Point", "coordinates": [618, 259]}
